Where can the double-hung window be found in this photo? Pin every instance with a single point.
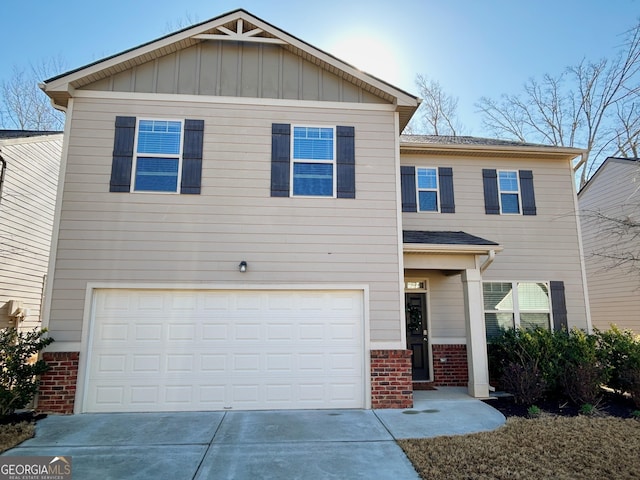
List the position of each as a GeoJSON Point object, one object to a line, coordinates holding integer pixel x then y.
{"type": "Point", "coordinates": [427, 188]}
{"type": "Point", "coordinates": [509, 189]}
{"type": "Point", "coordinates": [508, 192]}
{"type": "Point", "coordinates": [313, 166]}
{"type": "Point", "coordinates": [516, 304]}
{"type": "Point", "coordinates": [158, 158]}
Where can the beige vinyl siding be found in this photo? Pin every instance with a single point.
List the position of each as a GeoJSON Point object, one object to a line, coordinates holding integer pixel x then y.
{"type": "Point", "coordinates": [543, 247]}
{"type": "Point", "coordinates": [26, 221]}
{"type": "Point", "coordinates": [614, 292]}
{"type": "Point", "coordinates": [142, 237]}
{"type": "Point", "coordinates": [220, 68]}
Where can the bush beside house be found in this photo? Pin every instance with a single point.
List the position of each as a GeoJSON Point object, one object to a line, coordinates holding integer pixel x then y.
{"type": "Point", "coordinates": [574, 365]}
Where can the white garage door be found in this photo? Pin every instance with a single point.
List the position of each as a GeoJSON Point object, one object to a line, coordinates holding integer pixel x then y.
{"type": "Point", "coordinates": [175, 350]}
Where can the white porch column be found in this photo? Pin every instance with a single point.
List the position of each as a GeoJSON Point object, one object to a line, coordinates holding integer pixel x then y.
{"type": "Point", "coordinates": [476, 335]}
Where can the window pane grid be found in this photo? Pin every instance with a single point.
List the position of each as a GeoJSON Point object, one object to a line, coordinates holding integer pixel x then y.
{"type": "Point", "coordinates": [515, 304]}
{"type": "Point", "coordinates": [158, 160]}
{"type": "Point", "coordinates": [509, 192]}
{"type": "Point", "coordinates": [313, 166]}
{"type": "Point", "coordinates": [427, 183]}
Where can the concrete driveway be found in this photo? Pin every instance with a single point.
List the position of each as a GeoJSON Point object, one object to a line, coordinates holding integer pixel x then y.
{"type": "Point", "coordinates": [309, 444]}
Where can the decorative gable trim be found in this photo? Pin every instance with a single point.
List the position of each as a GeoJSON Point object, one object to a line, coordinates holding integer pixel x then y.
{"type": "Point", "coordinates": [253, 34]}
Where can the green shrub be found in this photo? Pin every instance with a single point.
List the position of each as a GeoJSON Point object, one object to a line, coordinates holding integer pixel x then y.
{"type": "Point", "coordinates": [534, 363]}
{"type": "Point", "coordinates": [18, 373]}
{"type": "Point", "coordinates": [524, 363]}
{"type": "Point", "coordinates": [581, 374]}
{"type": "Point", "coordinates": [619, 351]}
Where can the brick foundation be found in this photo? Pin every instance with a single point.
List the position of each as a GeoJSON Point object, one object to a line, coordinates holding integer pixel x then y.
{"type": "Point", "coordinates": [391, 385]}
{"type": "Point", "coordinates": [57, 391]}
{"type": "Point", "coordinates": [450, 368]}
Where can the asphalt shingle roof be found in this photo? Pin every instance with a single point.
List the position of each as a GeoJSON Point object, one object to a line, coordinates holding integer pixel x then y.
{"type": "Point", "coordinates": [464, 140]}
{"type": "Point", "coordinates": [443, 238]}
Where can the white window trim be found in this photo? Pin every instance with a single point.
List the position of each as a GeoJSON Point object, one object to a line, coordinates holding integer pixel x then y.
{"type": "Point", "coordinates": [305, 160]}
{"type": "Point", "coordinates": [134, 163]}
{"type": "Point", "coordinates": [437, 190]}
{"type": "Point", "coordinates": [516, 301]}
{"type": "Point", "coordinates": [519, 192]}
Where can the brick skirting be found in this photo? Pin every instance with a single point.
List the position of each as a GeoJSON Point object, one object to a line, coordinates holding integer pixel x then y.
{"type": "Point", "coordinates": [450, 368]}
{"type": "Point", "coordinates": [57, 391]}
{"type": "Point", "coordinates": [391, 385]}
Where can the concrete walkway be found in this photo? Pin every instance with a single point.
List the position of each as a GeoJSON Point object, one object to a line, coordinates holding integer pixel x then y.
{"type": "Point", "coordinates": [309, 444]}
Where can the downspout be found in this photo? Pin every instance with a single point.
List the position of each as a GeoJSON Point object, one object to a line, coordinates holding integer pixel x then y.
{"type": "Point", "coordinates": [488, 261]}
{"type": "Point", "coordinates": [2, 170]}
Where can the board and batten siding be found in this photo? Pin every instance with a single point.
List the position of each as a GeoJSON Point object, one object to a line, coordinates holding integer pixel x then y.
{"type": "Point", "coordinates": [233, 69]}
{"type": "Point", "coordinates": [26, 221]}
{"type": "Point", "coordinates": [614, 292]}
{"type": "Point", "coordinates": [146, 237]}
{"type": "Point", "coordinates": [541, 247]}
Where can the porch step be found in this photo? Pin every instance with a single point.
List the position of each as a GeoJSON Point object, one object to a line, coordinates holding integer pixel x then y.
{"type": "Point", "coordinates": [423, 386]}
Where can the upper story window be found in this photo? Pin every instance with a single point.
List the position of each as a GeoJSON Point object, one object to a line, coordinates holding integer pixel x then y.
{"type": "Point", "coordinates": [158, 156]}
{"type": "Point", "coordinates": [427, 189]}
{"type": "Point", "coordinates": [509, 188]}
{"type": "Point", "coordinates": [427, 184]}
{"type": "Point", "coordinates": [508, 192]}
{"type": "Point", "coordinates": [313, 162]}
{"type": "Point", "coordinates": [516, 304]}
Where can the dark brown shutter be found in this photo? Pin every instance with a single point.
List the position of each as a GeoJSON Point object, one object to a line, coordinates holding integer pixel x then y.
{"type": "Point", "coordinates": [408, 188]}
{"type": "Point", "coordinates": [125, 131]}
{"type": "Point", "coordinates": [526, 189]}
{"type": "Point", "coordinates": [447, 200]}
{"type": "Point", "coordinates": [280, 159]}
{"type": "Point", "coordinates": [490, 183]}
{"type": "Point", "coordinates": [192, 156]}
{"type": "Point", "coordinates": [345, 162]}
{"type": "Point", "coordinates": [559, 306]}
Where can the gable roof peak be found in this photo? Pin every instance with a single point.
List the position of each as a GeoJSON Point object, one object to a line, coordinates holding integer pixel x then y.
{"type": "Point", "coordinates": [238, 26]}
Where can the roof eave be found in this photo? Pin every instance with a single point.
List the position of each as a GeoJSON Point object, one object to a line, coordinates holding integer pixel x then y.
{"type": "Point", "coordinates": [60, 88]}
{"type": "Point", "coordinates": [450, 249]}
{"type": "Point", "coordinates": [568, 152]}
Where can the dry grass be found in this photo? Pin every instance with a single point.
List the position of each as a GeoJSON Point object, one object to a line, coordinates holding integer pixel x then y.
{"type": "Point", "coordinates": [14, 434]}
{"type": "Point", "coordinates": [544, 448]}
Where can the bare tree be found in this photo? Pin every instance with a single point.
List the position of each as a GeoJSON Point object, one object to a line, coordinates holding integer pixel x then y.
{"type": "Point", "coordinates": [438, 113]}
{"type": "Point", "coordinates": [622, 249]}
{"type": "Point", "coordinates": [187, 20]}
{"type": "Point", "coordinates": [592, 105]}
{"type": "Point", "coordinates": [24, 106]}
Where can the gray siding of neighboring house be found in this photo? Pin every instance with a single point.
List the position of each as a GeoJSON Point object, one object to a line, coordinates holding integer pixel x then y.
{"type": "Point", "coordinates": [614, 292]}
{"type": "Point", "coordinates": [223, 68]}
{"type": "Point", "coordinates": [26, 221]}
{"type": "Point", "coordinates": [542, 247]}
{"type": "Point", "coordinates": [148, 238]}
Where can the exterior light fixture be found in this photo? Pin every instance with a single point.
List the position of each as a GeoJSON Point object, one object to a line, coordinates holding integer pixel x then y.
{"type": "Point", "coordinates": [243, 266]}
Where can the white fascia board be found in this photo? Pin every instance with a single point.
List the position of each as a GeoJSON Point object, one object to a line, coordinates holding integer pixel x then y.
{"type": "Point", "coordinates": [212, 99]}
{"type": "Point", "coordinates": [488, 149]}
{"type": "Point", "coordinates": [443, 248]}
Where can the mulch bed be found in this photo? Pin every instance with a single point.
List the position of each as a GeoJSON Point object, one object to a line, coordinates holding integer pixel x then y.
{"type": "Point", "coordinates": [612, 404]}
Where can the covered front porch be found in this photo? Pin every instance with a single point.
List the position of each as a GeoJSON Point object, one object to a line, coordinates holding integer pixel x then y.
{"type": "Point", "coordinates": [444, 308]}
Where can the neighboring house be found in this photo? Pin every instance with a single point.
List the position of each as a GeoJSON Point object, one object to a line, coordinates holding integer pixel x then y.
{"type": "Point", "coordinates": [29, 164]}
{"type": "Point", "coordinates": [609, 202]}
{"type": "Point", "coordinates": [241, 226]}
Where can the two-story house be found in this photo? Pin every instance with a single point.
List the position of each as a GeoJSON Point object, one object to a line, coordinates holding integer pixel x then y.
{"type": "Point", "coordinates": [241, 225]}
{"type": "Point", "coordinates": [609, 213]}
{"type": "Point", "coordinates": [29, 165]}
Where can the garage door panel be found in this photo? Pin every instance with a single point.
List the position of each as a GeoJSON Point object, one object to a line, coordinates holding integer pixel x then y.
{"type": "Point", "coordinates": [211, 350]}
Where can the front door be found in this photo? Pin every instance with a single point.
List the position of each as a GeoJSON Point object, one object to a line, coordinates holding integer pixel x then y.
{"type": "Point", "coordinates": [417, 334]}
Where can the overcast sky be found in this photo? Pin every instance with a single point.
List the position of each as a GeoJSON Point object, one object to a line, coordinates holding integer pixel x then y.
{"type": "Point", "coordinates": [473, 48]}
